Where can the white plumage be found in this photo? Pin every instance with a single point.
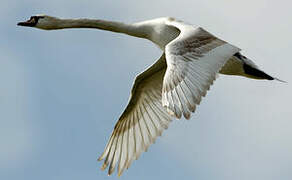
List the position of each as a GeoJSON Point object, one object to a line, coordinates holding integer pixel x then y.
{"type": "Point", "coordinates": [171, 88]}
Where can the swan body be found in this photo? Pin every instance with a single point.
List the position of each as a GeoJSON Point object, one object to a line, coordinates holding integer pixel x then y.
{"type": "Point", "coordinates": [171, 88]}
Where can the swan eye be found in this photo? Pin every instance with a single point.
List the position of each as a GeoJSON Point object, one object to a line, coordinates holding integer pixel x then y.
{"type": "Point", "coordinates": [36, 18]}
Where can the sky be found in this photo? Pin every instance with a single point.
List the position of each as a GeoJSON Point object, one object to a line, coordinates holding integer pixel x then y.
{"type": "Point", "coordinates": [62, 91]}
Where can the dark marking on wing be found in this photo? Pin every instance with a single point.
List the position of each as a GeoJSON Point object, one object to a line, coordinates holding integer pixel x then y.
{"type": "Point", "coordinates": [256, 72]}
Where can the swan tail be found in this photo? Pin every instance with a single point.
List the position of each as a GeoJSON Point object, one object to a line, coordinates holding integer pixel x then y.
{"type": "Point", "coordinates": [255, 73]}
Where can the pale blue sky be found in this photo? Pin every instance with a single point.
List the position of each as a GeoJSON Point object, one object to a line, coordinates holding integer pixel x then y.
{"type": "Point", "coordinates": [62, 91]}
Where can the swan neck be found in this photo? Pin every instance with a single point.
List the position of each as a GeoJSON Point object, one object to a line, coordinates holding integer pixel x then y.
{"type": "Point", "coordinates": [130, 29]}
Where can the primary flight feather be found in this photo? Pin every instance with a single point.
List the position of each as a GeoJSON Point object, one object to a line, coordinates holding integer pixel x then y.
{"type": "Point", "coordinates": [171, 88]}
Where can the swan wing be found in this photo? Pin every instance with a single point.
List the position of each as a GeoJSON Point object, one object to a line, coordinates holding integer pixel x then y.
{"type": "Point", "coordinates": [141, 123]}
{"type": "Point", "coordinates": [193, 60]}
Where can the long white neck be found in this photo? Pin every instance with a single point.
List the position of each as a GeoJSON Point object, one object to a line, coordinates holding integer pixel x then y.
{"type": "Point", "coordinates": [130, 29]}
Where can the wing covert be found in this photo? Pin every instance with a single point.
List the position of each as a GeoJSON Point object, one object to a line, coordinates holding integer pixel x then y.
{"type": "Point", "coordinates": [141, 123]}
{"type": "Point", "coordinates": [193, 60]}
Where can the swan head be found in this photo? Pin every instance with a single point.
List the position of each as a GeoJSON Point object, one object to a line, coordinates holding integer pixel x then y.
{"type": "Point", "coordinates": [41, 22]}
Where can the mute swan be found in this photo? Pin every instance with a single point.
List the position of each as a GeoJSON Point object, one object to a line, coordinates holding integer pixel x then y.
{"type": "Point", "coordinates": [171, 88]}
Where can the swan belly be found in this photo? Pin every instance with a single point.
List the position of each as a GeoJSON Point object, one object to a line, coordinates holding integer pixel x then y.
{"type": "Point", "coordinates": [234, 66]}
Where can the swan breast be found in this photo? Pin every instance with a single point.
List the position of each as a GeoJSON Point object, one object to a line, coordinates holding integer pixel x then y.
{"type": "Point", "coordinates": [161, 33]}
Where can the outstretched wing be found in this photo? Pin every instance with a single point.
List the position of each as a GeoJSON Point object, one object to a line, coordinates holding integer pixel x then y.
{"type": "Point", "coordinates": [141, 123]}
{"type": "Point", "coordinates": [193, 60]}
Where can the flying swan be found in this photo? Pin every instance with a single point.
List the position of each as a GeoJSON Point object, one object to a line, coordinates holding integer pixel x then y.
{"type": "Point", "coordinates": [170, 88]}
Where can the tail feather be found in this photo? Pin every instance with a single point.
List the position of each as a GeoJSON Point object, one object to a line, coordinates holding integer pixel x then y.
{"type": "Point", "coordinates": [256, 73]}
{"type": "Point", "coordinates": [280, 80]}
{"type": "Point", "coordinates": [251, 70]}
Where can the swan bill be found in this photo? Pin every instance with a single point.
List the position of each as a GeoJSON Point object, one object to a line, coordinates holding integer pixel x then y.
{"type": "Point", "coordinates": [31, 22]}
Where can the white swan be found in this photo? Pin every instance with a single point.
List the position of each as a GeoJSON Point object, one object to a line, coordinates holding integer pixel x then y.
{"type": "Point", "coordinates": [173, 86]}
